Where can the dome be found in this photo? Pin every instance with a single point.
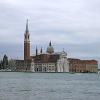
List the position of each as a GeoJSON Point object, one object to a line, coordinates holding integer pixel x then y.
{"type": "Point", "coordinates": [50, 48]}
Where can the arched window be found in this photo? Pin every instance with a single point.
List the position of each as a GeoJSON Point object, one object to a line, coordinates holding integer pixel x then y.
{"type": "Point", "coordinates": [37, 69]}
{"type": "Point", "coordinates": [25, 36]}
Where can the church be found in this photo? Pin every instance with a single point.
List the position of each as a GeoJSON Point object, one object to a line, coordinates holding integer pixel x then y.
{"type": "Point", "coordinates": [50, 61]}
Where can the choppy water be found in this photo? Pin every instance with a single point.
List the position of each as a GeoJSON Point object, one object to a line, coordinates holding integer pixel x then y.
{"type": "Point", "coordinates": [49, 86]}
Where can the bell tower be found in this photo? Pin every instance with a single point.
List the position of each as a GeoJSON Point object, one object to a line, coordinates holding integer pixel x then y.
{"type": "Point", "coordinates": [26, 43]}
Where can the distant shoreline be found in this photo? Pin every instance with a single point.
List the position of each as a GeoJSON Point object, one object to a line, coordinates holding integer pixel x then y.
{"type": "Point", "coordinates": [51, 72]}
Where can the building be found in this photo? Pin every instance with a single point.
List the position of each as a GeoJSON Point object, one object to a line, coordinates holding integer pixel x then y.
{"type": "Point", "coordinates": [49, 61]}
{"type": "Point", "coordinates": [25, 65]}
{"type": "Point", "coordinates": [26, 43]}
{"type": "Point", "coordinates": [85, 66]}
{"type": "Point", "coordinates": [62, 63]}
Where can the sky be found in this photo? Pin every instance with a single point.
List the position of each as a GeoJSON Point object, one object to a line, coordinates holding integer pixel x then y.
{"type": "Point", "coordinates": [70, 24]}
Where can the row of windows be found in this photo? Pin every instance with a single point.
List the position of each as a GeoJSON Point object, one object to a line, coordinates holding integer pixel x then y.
{"type": "Point", "coordinates": [26, 37]}
{"type": "Point", "coordinates": [45, 69]}
{"type": "Point", "coordinates": [46, 64]}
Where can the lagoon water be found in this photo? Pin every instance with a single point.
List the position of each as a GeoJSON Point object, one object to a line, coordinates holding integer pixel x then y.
{"type": "Point", "coordinates": [49, 86]}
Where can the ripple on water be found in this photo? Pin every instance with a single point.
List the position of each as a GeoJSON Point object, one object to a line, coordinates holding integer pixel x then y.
{"type": "Point", "coordinates": [30, 86]}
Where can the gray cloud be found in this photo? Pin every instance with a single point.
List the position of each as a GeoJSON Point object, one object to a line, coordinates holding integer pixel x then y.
{"type": "Point", "coordinates": [70, 24]}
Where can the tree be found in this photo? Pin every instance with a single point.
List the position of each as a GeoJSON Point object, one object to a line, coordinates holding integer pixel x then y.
{"type": "Point", "coordinates": [1, 64]}
{"type": "Point", "coordinates": [12, 65]}
{"type": "Point", "coordinates": [5, 62]}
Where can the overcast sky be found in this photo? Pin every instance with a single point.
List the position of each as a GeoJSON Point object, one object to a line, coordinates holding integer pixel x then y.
{"type": "Point", "coordinates": [70, 24]}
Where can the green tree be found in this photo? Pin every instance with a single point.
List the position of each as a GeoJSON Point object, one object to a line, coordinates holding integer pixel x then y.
{"type": "Point", "coordinates": [5, 62]}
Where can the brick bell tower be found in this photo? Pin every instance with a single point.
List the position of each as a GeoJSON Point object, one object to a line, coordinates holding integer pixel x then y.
{"type": "Point", "coordinates": [26, 43]}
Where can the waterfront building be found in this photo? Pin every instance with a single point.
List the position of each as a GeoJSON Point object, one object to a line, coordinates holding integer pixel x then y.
{"type": "Point", "coordinates": [51, 61]}
{"type": "Point", "coordinates": [23, 65]}
{"type": "Point", "coordinates": [85, 66]}
{"type": "Point", "coordinates": [62, 63]}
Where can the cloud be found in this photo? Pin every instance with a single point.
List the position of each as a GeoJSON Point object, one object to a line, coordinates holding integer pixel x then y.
{"type": "Point", "coordinates": [70, 24]}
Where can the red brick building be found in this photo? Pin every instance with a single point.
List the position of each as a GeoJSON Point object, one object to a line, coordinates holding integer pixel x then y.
{"type": "Point", "coordinates": [85, 66]}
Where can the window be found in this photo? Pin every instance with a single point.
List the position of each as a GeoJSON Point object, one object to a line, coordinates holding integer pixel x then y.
{"type": "Point", "coordinates": [45, 68]}
{"type": "Point", "coordinates": [37, 69]}
{"type": "Point", "coordinates": [25, 36]}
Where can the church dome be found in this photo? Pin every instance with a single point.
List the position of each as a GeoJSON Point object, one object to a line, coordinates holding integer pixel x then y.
{"type": "Point", "coordinates": [50, 48]}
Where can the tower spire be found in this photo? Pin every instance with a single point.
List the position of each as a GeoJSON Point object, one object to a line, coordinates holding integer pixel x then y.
{"type": "Point", "coordinates": [26, 43]}
{"type": "Point", "coordinates": [50, 43]}
{"type": "Point", "coordinates": [27, 30]}
{"type": "Point", "coordinates": [36, 51]}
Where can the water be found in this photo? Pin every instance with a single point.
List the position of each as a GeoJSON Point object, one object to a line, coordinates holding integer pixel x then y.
{"type": "Point", "coordinates": [49, 86]}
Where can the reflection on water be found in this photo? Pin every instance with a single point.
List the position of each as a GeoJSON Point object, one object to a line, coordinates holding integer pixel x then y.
{"type": "Point", "coordinates": [49, 86]}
